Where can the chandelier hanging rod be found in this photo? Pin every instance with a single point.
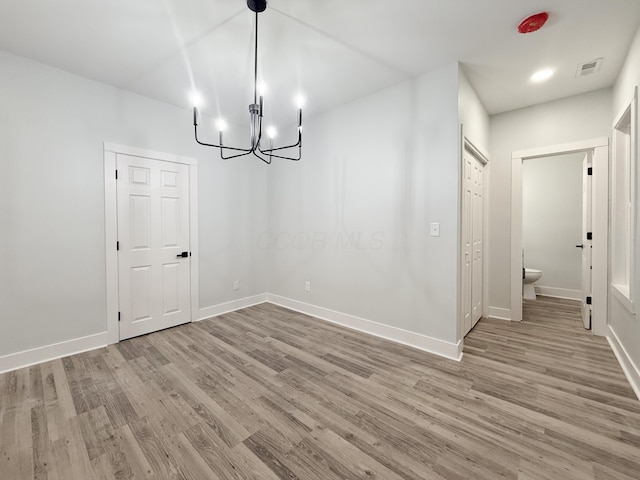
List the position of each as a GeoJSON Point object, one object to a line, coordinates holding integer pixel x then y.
{"type": "Point", "coordinates": [256, 113]}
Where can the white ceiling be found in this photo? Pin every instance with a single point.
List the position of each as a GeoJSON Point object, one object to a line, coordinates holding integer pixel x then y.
{"type": "Point", "coordinates": [334, 51]}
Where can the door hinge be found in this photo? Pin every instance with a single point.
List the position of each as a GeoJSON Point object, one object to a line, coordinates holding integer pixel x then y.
{"type": "Point", "coordinates": [118, 316]}
{"type": "Point", "coordinates": [588, 300]}
{"type": "Point", "coordinates": [117, 245]}
{"type": "Point", "coordinates": [590, 171]}
{"type": "Point", "coordinates": [589, 235]}
{"type": "Point", "coordinates": [116, 174]}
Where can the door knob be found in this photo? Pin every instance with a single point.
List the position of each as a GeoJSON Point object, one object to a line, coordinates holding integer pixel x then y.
{"type": "Point", "coordinates": [580, 246]}
{"type": "Point", "coordinates": [182, 255]}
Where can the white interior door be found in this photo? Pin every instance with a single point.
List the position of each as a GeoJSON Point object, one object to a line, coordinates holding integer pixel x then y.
{"type": "Point", "coordinates": [467, 242]}
{"type": "Point", "coordinates": [153, 232]}
{"type": "Point", "coordinates": [472, 243]}
{"type": "Point", "coordinates": [476, 237]}
{"type": "Point", "coordinates": [586, 240]}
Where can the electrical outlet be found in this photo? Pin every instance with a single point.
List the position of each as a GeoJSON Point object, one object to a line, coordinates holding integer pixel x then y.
{"type": "Point", "coordinates": [435, 230]}
{"type": "Point", "coordinates": [236, 284]}
{"type": "Point", "coordinates": [307, 286]}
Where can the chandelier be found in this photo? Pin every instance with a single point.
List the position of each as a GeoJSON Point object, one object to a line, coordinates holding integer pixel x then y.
{"type": "Point", "coordinates": [256, 111]}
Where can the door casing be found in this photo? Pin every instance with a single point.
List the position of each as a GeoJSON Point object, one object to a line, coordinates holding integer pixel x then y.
{"type": "Point", "coordinates": [600, 221]}
{"type": "Point", "coordinates": [111, 228]}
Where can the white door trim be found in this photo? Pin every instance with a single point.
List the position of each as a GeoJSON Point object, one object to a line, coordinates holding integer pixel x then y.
{"type": "Point", "coordinates": [600, 148]}
{"type": "Point", "coordinates": [475, 151]}
{"type": "Point", "coordinates": [111, 227]}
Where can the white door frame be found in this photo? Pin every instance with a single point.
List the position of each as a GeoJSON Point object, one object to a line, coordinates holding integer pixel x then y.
{"type": "Point", "coordinates": [111, 227]}
{"type": "Point", "coordinates": [600, 224]}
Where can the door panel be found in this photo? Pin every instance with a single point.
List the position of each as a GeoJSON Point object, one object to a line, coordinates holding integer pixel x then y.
{"type": "Point", "coordinates": [140, 293]}
{"type": "Point", "coordinates": [170, 222]}
{"type": "Point", "coordinates": [140, 222]}
{"type": "Point", "coordinates": [153, 228]}
{"type": "Point", "coordinates": [170, 288]}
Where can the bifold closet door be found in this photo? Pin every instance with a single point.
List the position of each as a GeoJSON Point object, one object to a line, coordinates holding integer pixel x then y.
{"type": "Point", "coordinates": [472, 240]}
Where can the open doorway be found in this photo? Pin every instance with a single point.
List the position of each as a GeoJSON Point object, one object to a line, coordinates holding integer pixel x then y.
{"type": "Point", "coordinates": [596, 239]}
{"type": "Point", "coordinates": [552, 196]}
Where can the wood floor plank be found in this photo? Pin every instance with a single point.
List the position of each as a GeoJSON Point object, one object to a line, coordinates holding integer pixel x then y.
{"type": "Point", "coordinates": [78, 454]}
{"type": "Point", "coordinates": [152, 449]}
{"type": "Point", "coordinates": [267, 393]}
{"type": "Point", "coordinates": [40, 441]}
{"type": "Point", "coordinates": [267, 450]}
{"type": "Point", "coordinates": [59, 464]}
{"type": "Point", "coordinates": [16, 457]}
{"type": "Point", "coordinates": [227, 463]}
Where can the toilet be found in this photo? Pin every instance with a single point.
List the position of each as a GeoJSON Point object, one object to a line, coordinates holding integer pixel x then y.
{"type": "Point", "coordinates": [531, 275]}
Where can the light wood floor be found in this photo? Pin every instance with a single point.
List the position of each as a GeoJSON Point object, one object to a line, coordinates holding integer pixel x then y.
{"type": "Point", "coordinates": [266, 393]}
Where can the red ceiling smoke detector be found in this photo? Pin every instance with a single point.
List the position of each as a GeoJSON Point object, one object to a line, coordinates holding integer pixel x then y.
{"type": "Point", "coordinates": [533, 23]}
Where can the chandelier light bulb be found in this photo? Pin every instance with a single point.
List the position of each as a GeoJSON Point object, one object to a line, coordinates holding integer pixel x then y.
{"type": "Point", "coordinates": [300, 100]}
{"type": "Point", "coordinates": [221, 125]}
{"type": "Point", "coordinates": [196, 99]}
{"type": "Point", "coordinates": [272, 132]}
{"type": "Point", "coordinates": [262, 88]}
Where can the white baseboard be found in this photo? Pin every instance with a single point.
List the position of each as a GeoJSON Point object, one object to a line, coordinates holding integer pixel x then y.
{"type": "Point", "coordinates": [398, 335]}
{"type": "Point", "coordinates": [27, 358]}
{"type": "Point", "coordinates": [631, 371]}
{"type": "Point", "coordinates": [436, 346]}
{"type": "Point", "coordinates": [231, 306]}
{"type": "Point", "coordinates": [559, 292]}
{"type": "Point", "coordinates": [500, 313]}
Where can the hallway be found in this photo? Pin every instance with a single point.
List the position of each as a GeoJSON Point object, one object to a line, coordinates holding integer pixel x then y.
{"type": "Point", "coordinates": [563, 389]}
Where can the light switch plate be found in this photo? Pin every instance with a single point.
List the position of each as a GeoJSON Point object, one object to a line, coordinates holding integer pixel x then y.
{"type": "Point", "coordinates": [435, 230]}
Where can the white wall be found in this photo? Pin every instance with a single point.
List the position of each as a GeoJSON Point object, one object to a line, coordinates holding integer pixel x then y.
{"type": "Point", "coordinates": [625, 325]}
{"type": "Point", "coordinates": [472, 114]}
{"type": "Point", "coordinates": [552, 220]}
{"type": "Point", "coordinates": [475, 124]}
{"type": "Point", "coordinates": [52, 247]}
{"type": "Point", "coordinates": [353, 217]}
{"type": "Point", "coordinates": [576, 118]}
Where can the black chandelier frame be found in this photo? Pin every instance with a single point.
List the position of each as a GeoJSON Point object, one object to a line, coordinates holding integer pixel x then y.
{"type": "Point", "coordinates": [256, 110]}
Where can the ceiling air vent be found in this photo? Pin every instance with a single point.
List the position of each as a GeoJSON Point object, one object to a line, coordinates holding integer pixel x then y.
{"type": "Point", "coordinates": [587, 68]}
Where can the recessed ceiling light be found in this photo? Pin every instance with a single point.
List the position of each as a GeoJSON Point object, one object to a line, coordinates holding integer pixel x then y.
{"type": "Point", "coordinates": [542, 75]}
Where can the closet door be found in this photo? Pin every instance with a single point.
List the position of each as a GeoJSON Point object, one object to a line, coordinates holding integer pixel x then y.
{"type": "Point", "coordinates": [473, 172]}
